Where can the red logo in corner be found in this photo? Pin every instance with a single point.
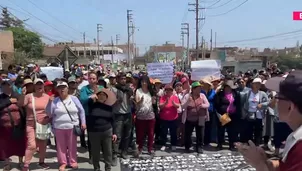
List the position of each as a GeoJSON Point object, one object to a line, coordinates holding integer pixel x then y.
{"type": "Point", "coordinates": [297, 15]}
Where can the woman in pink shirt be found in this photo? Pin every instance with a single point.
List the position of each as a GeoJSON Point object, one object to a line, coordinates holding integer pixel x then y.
{"type": "Point", "coordinates": [195, 116]}
{"type": "Point", "coordinates": [40, 101]}
{"type": "Point", "coordinates": [168, 104]}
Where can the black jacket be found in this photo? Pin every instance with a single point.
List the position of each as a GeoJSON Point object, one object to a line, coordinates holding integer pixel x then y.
{"type": "Point", "coordinates": [221, 103]}
{"type": "Point", "coordinates": [100, 118]}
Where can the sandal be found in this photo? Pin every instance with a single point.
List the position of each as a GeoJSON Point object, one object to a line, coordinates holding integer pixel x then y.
{"type": "Point", "coordinates": [62, 167]}
{"type": "Point", "coordinates": [74, 166]}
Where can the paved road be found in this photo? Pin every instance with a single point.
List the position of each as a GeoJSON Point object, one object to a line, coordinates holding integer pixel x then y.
{"type": "Point", "coordinates": [83, 160]}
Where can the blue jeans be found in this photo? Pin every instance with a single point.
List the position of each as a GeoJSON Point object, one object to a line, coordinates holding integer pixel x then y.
{"type": "Point", "coordinates": [172, 127]}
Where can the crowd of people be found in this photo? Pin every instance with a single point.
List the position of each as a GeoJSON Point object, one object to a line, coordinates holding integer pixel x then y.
{"type": "Point", "coordinates": [121, 110]}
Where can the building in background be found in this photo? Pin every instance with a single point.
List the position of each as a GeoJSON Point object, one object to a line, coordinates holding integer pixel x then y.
{"type": "Point", "coordinates": [165, 53]}
{"type": "Point", "coordinates": [6, 48]}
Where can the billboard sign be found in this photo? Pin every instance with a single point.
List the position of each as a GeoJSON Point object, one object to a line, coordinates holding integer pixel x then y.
{"type": "Point", "coordinates": [165, 56]}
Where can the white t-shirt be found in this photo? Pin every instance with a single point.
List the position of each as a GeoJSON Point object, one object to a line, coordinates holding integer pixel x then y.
{"type": "Point", "coordinates": [61, 119]}
{"type": "Point", "coordinates": [145, 110]}
{"type": "Point", "coordinates": [254, 100]}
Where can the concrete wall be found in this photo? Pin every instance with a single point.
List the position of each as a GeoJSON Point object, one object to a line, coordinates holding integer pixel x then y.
{"type": "Point", "coordinates": [242, 65]}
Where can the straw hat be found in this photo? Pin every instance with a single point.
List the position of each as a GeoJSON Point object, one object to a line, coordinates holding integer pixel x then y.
{"type": "Point", "coordinates": [231, 84]}
{"type": "Point", "coordinates": [207, 80]}
{"type": "Point", "coordinates": [111, 98]}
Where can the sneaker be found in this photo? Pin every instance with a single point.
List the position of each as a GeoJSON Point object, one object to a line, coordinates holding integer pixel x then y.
{"type": "Point", "coordinates": [199, 150]}
{"type": "Point", "coordinates": [173, 148]}
{"type": "Point", "coordinates": [163, 148]}
{"type": "Point", "coordinates": [124, 155]}
{"type": "Point", "coordinates": [44, 166]}
{"type": "Point", "coordinates": [151, 152]}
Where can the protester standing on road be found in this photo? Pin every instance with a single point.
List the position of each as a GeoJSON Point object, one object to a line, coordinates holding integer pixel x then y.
{"type": "Point", "coordinates": [255, 104]}
{"type": "Point", "coordinates": [195, 116]}
{"type": "Point", "coordinates": [168, 104]}
{"type": "Point", "coordinates": [227, 102]}
{"type": "Point", "coordinates": [123, 116]}
{"type": "Point", "coordinates": [66, 112]}
{"type": "Point", "coordinates": [85, 93]}
{"type": "Point", "coordinates": [12, 125]}
{"type": "Point", "coordinates": [145, 117]}
{"type": "Point", "coordinates": [101, 127]}
{"type": "Point", "coordinates": [36, 118]}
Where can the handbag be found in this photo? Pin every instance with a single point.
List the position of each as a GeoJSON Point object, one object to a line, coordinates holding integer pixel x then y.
{"type": "Point", "coordinates": [224, 119]}
{"type": "Point", "coordinates": [76, 128]}
{"type": "Point", "coordinates": [18, 130]}
{"type": "Point", "coordinates": [42, 131]}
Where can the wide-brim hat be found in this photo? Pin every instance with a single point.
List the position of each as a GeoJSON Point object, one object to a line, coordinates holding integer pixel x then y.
{"type": "Point", "coordinates": [111, 98]}
{"type": "Point", "coordinates": [206, 81]}
{"type": "Point", "coordinates": [231, 84]}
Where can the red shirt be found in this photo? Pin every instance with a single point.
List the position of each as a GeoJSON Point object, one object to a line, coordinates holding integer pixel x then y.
{"type": "Point", "coordinates": [169, 112]}
{"type": "Point", "coordinates": [293, 161]}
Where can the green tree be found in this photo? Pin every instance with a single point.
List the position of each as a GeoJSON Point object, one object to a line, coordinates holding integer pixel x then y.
{"type": "Point", "coordinates": [27, 41]}
{"type": "Point", "coordinates": [286, 62]}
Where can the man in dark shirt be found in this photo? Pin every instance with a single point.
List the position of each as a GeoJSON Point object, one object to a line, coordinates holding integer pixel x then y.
{"type": "Point", "coordinates": [289, 104]}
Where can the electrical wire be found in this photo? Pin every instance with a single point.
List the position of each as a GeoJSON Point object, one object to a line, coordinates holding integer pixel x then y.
{"type": "Point", "coordinates": [229, 10]}
{"type": "Point", "coordinates": [213, 4]}
{"type": "Point", "coordinates": [54, 17]}
{"type": "Point", "coordinates": [265, 37]}
{"type": "Point", "coordinates": [42, 21]}
{"type": "Point", "coordinates": [31, 28]}
{"type": "Point", "coordinates": [221, 5]}
{"type": "Point", "coordinates": [268, 41]}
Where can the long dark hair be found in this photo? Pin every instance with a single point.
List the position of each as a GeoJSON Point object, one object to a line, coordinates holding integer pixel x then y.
{"type": "Point", "coordinates": [146, 79]}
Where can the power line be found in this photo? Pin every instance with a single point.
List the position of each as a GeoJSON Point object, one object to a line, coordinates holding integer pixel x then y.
{"type": "Point", "coordinates": [221, 5]}
{"type": "Point", "coordinates": [265, 37]}
{"type": "Point", "coordinates": [213, 4]}
{"type": "Point", "coordinates": [32, 29]}
{"type": "Point", "coordinates": [28, 24]}
{"type": "Point", "coordinates": [230, 9]}
{"type": "Point", "coordinates": [42, 20]}
{"type": "Point", "coordinates": [54, 17]}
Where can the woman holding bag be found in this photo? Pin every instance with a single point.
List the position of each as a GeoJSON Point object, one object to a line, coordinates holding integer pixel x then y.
{"type": "Point", "coordinates": [194, 116]}
{"type": "Point", "coordinates": [66, 112]}
{"type": "Point", "coordinates": [227, 102]}
{"type": "Point", "coordinates": [37, 124]}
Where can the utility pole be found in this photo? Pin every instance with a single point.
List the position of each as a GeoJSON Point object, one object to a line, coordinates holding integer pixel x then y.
{"type": "Point", "coordinates": [129, 20]}
{"type": "Point", "coordinates": [215, 38]}
{"type": "Point", "coordinates": [117, 38]}
{"type": "Point", "coordinates": [133, 40]}
{"type": "Point", "coordinates": [84, 40]}
{"type": "Point", "coordinates": [202, 48]}
{"type": "Point", "coordinates": [182, 37]}
{"type": "Point", "coordinates": [112, 47]}
{"type": "Point", "coordinates": [211, 41]}
{"type": "Point", "coordinates": [99, 29]}
{"type": "Point", "coordinates": [186, 30]}
{"type": "Point", "coordinates": [197, 19]}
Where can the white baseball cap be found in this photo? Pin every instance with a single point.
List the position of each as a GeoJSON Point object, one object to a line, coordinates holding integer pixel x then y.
{"type": "Point", "coordinates": [62, 83]}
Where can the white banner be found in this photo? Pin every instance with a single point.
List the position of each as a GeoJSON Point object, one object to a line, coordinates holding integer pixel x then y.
{"type": "Point", "coordinates": [162, 71]}
{"type": "Point", "coordinates": [52, 72]}
{"type": "Point", "coordinates": [205, 68]}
